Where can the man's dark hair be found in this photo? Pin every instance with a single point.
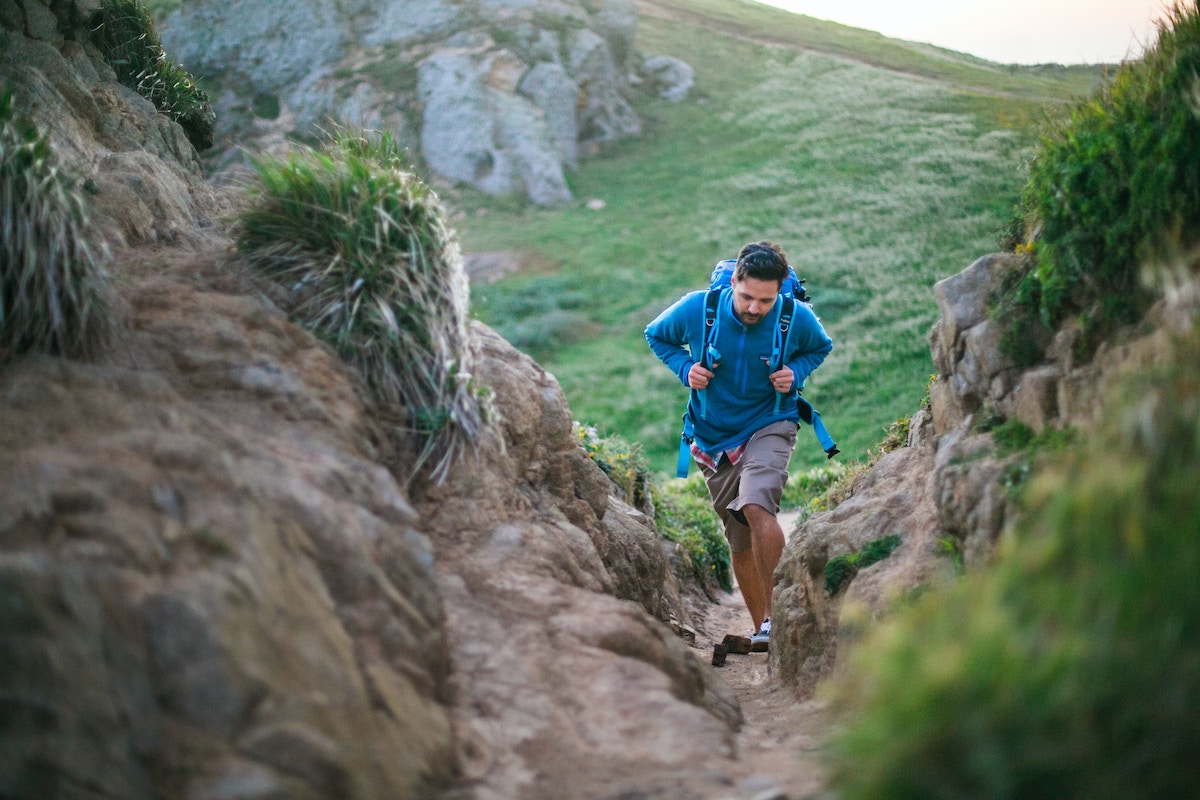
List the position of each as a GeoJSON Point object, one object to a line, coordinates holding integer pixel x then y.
{"type": "Point", "coordinates": [763, 261]}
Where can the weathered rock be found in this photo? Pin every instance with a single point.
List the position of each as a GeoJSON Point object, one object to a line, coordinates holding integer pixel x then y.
{"type": "Point", "coordinates": [552, 90]}
{"type": "Point", "coordinates": [213, 584]}
{"type": "Point", "coordinates": [606, 115]}
{"type": "Point", "coordinates": [144, 173]}
{"type": "Point", "coordinates": [963, 298]}
{"type": "Point", "coordinates": [1035, 398]}
{"type": "Point", "coordinates": [528, 84]}
{"type": "Point", "coordinates": [264, 47]}
{"type": "Point", "coordinates": [669, 77]}
{"type": "Point", "coordinates": [477, 133]}
{"type": "Point", "coordinates": [969, 491]}
{"type": "Point", "coordinates": [407, 22]}
{"type": "Point", "coordinates": [539, 566]}
{"type": "Point", "coordinates": [893, 498]}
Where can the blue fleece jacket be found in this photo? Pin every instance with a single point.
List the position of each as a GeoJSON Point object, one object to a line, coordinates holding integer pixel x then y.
{"type": "Point", "coordinates": [739, 399]}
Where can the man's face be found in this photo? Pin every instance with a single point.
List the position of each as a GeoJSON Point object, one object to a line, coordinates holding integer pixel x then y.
{"type": "Point", "coordinates": [753, 299]}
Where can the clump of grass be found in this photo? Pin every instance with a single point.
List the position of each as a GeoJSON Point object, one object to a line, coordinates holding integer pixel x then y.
{"type": "Point", "coordinates": [362, 248]}
{"type": "Point", "coordinates": [1116, 185]}
{"type": "Point", "coordinates": [124, 31]}
{"type": "Point", "coordinates": [681, 508]}
{"type": "Point", "coordinates": [1068, 668]}
{"type": "Point", "coordinates": [839, 570]}
{"type": "Point", "coordinates": [621, 461]}
{"type": "Point", "coordinates": [684, 515]}
{"type": "Point", "coordinates": [52, 283]}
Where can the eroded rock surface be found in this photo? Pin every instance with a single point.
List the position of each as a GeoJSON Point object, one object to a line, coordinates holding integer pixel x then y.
{"type": "Point", "coordinates": [497, 94]}
{"type": "Point", "coordinates": [949, 494]}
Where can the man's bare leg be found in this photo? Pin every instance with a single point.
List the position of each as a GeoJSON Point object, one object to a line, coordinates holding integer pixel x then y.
{"type": "Point", "coordinates": [745, 569]}
{"type": "Point", "coordinates": [766, 546]}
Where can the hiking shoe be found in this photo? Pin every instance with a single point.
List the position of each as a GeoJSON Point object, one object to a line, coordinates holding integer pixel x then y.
{"type": "Point", "coordinates": [761, 640]}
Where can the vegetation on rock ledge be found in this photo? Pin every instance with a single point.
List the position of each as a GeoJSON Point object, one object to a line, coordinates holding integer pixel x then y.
{"type": "Point", "coordinates": [361, 247]}
{"type": "Point", "coordinates": [1116, 186]}
{"type": "Point", "coordinates": [52, 285]}
{"type": "Point", "coordinates": [125, 33]}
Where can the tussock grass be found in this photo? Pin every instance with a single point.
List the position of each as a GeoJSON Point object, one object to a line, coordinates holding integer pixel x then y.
{"type": "Point", "coordinates": [53, 290]}
{"type": "Point", "coordinates": [1068, 669]}
{"type": "Point", "coordinates": [124, 31]}
{"type": "Point", "coordinates": [362, 247]}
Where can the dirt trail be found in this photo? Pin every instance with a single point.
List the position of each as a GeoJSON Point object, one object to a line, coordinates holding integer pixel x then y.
{"type": "Point", "coordinates": [781, 745]}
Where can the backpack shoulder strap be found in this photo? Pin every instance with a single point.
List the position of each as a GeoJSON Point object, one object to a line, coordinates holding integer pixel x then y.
{"type": "Point", "coordinates": [711, 302]}
{"type": "Point", "coordinates": [786, 311]}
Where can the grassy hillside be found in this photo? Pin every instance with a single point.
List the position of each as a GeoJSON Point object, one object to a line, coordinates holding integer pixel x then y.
{"type": "Point", "coordinates": [880, 166]}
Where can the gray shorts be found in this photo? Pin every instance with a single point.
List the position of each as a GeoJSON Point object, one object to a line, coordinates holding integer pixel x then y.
{"type": "Point", "coordinates": [758, 478]}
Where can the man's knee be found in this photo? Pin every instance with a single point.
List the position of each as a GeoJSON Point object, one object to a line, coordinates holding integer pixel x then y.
{"type": "Point", "coordinates": [755, 512]}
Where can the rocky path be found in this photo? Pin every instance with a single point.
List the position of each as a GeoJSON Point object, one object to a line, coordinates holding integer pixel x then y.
{"type": "Point", "coordinates": [780, 746]}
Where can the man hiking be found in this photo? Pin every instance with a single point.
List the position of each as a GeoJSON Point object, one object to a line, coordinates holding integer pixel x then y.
{"type": "Point", "coordinates": [744, 375]}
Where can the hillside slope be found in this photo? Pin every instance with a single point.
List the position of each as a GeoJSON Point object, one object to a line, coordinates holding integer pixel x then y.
{"type": "Point", "coordinates": [880, 166]}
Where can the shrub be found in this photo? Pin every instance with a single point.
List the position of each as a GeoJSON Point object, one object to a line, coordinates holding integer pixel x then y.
{"type": "Point", "coordinates": [684, 515]}
{"type": "Point", "coordinates": [125, 33]}
{"type": "Point", "coordinates": [52, 284]}
{"type": "Point", "coordinates": [1119, 183]}
{"type": "Point", "coordinates": [681, 508]}
{"type": "Point", "coordinates": [622, 462]}
{"type": "Point", "coordinates": [1068, 669]}
{"type": "Point", "coordinates": [362, 249]}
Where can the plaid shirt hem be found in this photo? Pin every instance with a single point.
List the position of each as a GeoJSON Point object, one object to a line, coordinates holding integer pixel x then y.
{"type": "Point", "coordinates": [734, 454]}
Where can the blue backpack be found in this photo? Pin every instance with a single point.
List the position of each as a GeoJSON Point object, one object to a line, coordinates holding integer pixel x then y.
{"type": "Point", "coordinates": [791, 292]}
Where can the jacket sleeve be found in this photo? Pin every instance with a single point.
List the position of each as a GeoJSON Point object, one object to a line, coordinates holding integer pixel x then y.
{"type": "Point", "coordinates": [810, 344]}
{"type": "Point", "coordinates": [668, 337]}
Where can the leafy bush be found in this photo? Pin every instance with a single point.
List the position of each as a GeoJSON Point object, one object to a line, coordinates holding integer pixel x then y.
{"type": "Point", "coordinates": [621, 461]}
{"type": "Point", "coordinates": [363, 250]}
{"type": "Point", "coordinates": [52, 284]}
{"type": "Point", "coordinates": [684, 514]}
{"type": "Point", "coordinates": [1068, 669]}
{"type": "Point", "coordinates": [1119, 183]}
{"type": "Point", "coordinates": [681, 508]}
{"type": "Point", "coordinates": [125, 33]}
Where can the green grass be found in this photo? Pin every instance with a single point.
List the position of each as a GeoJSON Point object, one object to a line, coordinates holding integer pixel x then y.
{"type": "Point", "coordinates": [877, 184]}
{"type": "Point", "coordinates": [53, 289]}
{"type": "Point", "coordinates": [361, 247]}
{"type": "Point", "coordinates": [1116, 186]}
{"type": "Point", "coordinates": [125, 33]}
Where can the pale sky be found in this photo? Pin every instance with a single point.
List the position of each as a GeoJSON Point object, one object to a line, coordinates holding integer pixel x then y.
{"type": "Point", "coordinates": [1007, 31]}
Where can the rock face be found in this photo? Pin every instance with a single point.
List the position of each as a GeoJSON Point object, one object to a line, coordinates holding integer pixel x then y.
{"type": "Point", "coordinates": [499, 94]}
{"type": "Point", "coordinates": [213, 584]}
{"type": "Point", "coordinates": [946, 495]}
{"type": "Point", "coordinates": [202, 561]}
{"type": "Point", "coordinates": [144, 175]}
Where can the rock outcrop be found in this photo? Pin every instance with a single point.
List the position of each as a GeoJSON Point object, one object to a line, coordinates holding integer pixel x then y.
{"type": "Point", "coordinates": [143, 175]}
{"type": "Point", "coordinates": [213, 583]}
{"type": "Point", "coordinates": [499, 94]}
{"type": "Point", "coordinates": [947, 494]}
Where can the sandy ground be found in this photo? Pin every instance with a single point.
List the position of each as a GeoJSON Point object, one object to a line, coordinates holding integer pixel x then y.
{"type": "Point", "coordinates": [781, 745]}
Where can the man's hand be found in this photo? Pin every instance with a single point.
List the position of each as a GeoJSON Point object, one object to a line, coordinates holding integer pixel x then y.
{"type": "Point", "coordinates": [783, 380]}
{"type": "Point", "coordinates": [698, 376]}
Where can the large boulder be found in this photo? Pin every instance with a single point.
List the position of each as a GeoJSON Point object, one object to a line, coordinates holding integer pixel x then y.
{"type": "Point", "coordinates": [502, 95]}
{"type": "Point", "coordinates": [478, 130]}
{"type": "Point", "coordinates": [563, 685]}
